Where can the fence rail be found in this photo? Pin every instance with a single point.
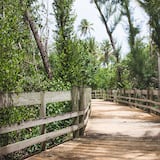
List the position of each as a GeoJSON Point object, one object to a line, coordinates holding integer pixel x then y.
{"type": "Point", "coordinates": [81, 103]}
{"type": "Point", "coordinates": [147, 100]}
{"type": "Point", "coordinates": [98, 94]}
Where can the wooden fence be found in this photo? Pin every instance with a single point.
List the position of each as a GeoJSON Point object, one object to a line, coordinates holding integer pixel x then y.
{"type": "Point", "coordinates": [98, 94]}
{"type": "Point", "coordinates": [81, 101]}
{"type": "Point", "coordinates": [147, 100]}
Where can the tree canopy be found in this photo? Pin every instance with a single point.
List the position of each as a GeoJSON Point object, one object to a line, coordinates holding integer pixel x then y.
{"type": "Point", "coordinates": [75, 60]}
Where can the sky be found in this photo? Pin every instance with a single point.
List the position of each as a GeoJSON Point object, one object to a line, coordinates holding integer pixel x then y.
{"type": "Point", "coordinates": [85, 10]}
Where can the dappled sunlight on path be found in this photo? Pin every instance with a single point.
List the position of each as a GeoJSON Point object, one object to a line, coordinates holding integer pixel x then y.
{"type": "Point", "coordinates": [114, 119]}
{"type": "Point", "coordinates": [114, 132]}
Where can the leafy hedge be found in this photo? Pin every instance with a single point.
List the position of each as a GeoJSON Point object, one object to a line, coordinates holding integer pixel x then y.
{"type": "Point", "coordinates": [18, 114]}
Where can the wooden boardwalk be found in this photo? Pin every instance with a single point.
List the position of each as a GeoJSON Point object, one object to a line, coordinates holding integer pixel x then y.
{"type": "Point", "coordinates": [114, 132]}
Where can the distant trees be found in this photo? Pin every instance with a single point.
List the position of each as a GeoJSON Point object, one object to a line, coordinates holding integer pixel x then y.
{"type": "Point", "coordinates": [74, 59]}
{"type": "Point", "coordinates": [152, 8]}
{"type": "Point", "coordinates": [107, 56]}
{"type": "Point", "coordinates": [73, 62]}
{"type": "Point", "coordinates": [141, 66]}
{"type": "Point", "coordinates": [110, 16]}
{"type": "Point", "coordinates": [85, 28]}
{"type": "Point", "coordinates": [138, 69]}
{"type": "Point", "coordinates": [132, 30]}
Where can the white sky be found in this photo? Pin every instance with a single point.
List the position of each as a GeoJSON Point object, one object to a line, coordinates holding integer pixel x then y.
{"type": "Point", "coordinates": [85, 10]}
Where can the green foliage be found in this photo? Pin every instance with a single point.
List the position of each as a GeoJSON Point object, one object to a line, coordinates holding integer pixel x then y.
{"type": "Point", "coordinates": [17, 115]}
{"type": "Point", "coordinates": [137, 70]}
{"type": "Point", "coordinates": [16, 63]}
{"type": "Point", "coordinates": [76, 68]}
{"type": "Point", "coordinates": [82, 64]}
{"type": "Point", "coordinates": [85, 28]}
{"type": "Point", "coordinates": [21, 70]}
{"type": "Point", "coordinates": [54, 109]}
{"type": "Point", "coordinates": [12, 34]}
{"type": "Point", "coordinates": [105, 78]}
{"type": "Point", "coordinates": [107, 56]}
{"type": "Point", "coordinates": [152, 8]}
{"type": "Point", "coordinates": [141, 66]}
{"type": "Point", "coordinates": [64, 24]}
{"type": "Point", "coordinates": [132, 29]}
{"type": "Point", "coordinates": [72, 61]}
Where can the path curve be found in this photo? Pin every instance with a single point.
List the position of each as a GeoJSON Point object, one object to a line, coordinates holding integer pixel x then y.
{"type": "Point", "coordinates": [114, 132]}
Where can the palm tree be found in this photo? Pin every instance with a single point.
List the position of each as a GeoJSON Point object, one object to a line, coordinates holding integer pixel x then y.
{"type": "Point", "coordinates": [107, 52]}
{"type": "Point", "coordinates": [109, 11]}
{"type": "Point", "coordinates": [85, 28]}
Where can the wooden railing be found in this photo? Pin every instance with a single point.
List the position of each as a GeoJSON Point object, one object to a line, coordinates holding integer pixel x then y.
{"type": "Point", "coordinates": [81, 101]}
{"type": "Point", "coordinates": [147, 100]}
{"type": "Point", "coordinates": [98, 94]}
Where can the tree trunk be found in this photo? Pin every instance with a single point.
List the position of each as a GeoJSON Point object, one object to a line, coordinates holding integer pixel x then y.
{"type": "Point", "coordinates": [158, 76]}
{"type": "Point", "coordinates": [106, 26]}
{"type": "Point", "coordinates": [41, 48]}
{"type": "Point", "coordinates": [112, 43]}
{"type": "Point", "coordinates": [159, 71]}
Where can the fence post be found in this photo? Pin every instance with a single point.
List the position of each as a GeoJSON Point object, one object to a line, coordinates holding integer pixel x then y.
{"type": "Point", "coordinates": [150, 97]}
{"type": "Point", "coordinates": [104, 94]}
{"type": "Point", "coordinates": [129, 100]}
{"type": "Point", "coordinates": [151, 94]}
{"type": "Point", "coordinates": [115, 96]}
{"type": "Point", "coordinates": [111, 95]}
{"type": "Point", "coordinates": [135, 96]}
{"type": "Point", "coordinates": [43, 115]}
{"type": "Point", "coordinates": [75, 107]}
{"type": "Point", "coordinates": [82, 107]}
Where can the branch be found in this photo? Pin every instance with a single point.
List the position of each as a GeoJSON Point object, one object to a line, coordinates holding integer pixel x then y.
{"type": "Point", "coordinates": [40, 45]}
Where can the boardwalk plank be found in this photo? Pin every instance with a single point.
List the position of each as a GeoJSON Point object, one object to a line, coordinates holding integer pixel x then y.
{"type": "Point", "coordinates": [114, 132]}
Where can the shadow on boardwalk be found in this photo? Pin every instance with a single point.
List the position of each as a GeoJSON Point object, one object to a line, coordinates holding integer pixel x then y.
{"type": "Point", "coordinates": [114, 132]}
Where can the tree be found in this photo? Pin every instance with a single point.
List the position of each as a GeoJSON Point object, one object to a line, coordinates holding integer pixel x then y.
{"type": "Point", "coordinates": [105, 19]}
{"type": "Point", "coordinates": [107, 52]}
{"type": "Point", "coordinates": [85, 28]}
{"type": "Point", "coordinates": [13, 39]}
{"type": "Point", "coordinates": [64, 24]}
{"type": "Point", "coordinates": [64, 36]}
{"type": "Point", "coordinates": [39, 43]}
{"type": "Point", "coordinates": [152, 8]}
{"type": "Point", "coordinates": [141, 66]}
{"type": "Point", "coordinates": [133, 31]}
{"type": "Point", "coordinates": [136, 52]}
{"type": "Point", "coordinates": [74, 60]}
{"type": "Point", "coordinates": [110, 16]}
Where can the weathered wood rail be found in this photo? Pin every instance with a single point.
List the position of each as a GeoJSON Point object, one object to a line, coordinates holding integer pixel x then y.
{"type": "Point", "coordinates": [113, 132]}
{"type": "Point", "coordinates": [81, 100]}
{"type": "Point", "coordinates": [147, 100]}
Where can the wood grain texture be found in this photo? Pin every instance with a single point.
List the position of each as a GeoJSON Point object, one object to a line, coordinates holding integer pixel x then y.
{"type": "Point", "coordinates": [42, 98]}
{"type": "Point", "coordinates": [26, 143]}
{"type": "Point", "coordinates": [33, 98]}
{"type": "Point", "coordinates": [114, 132]}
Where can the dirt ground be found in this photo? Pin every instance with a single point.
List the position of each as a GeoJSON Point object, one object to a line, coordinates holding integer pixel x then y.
{"type": "Point", "coordinates": [114, 132]}
{"type": "Point", "coordinates": [119, 120]}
